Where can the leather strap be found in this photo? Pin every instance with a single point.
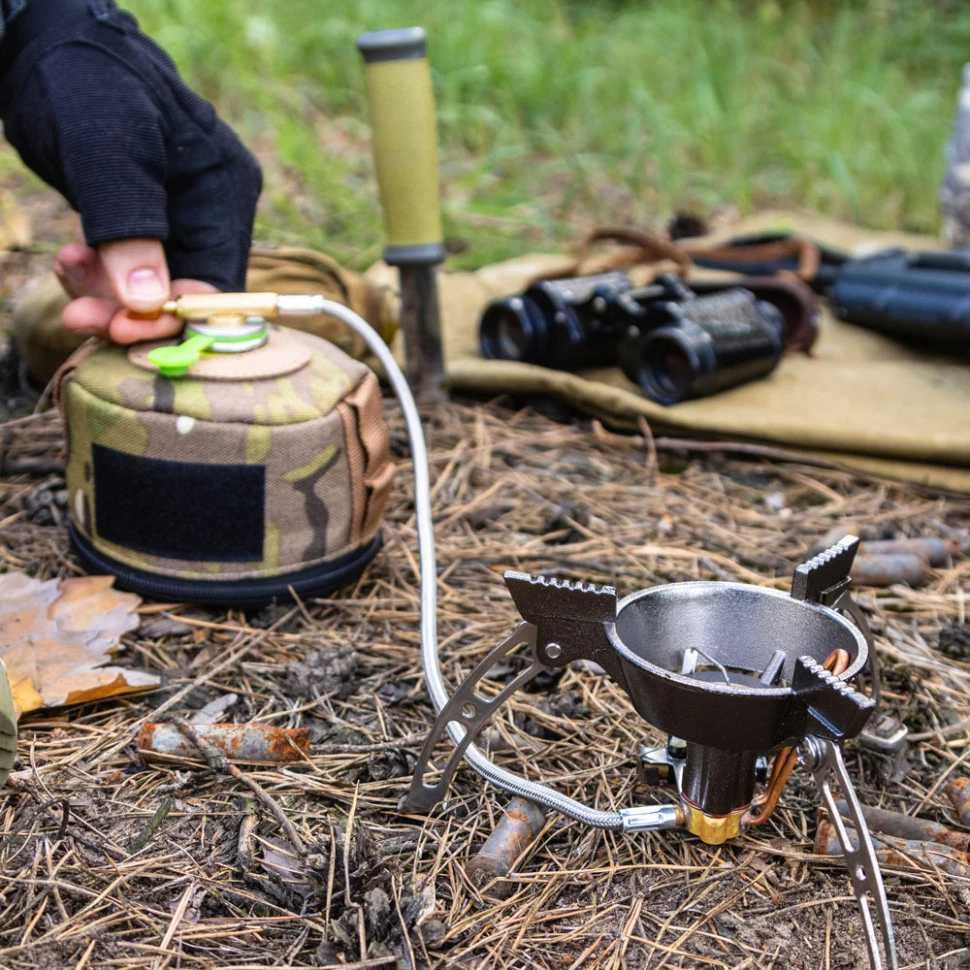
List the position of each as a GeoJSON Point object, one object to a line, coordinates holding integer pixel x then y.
{"type": "Point", "coordinates": [648, 247]}
{"type": "Point", "coordinates": [806, 254]}
{"type": "Point", "coordinates": [637, 247]}
{"type": "Point", "coordinates": [787, 289]}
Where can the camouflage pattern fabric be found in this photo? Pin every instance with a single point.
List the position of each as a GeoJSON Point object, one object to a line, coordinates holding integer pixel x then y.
{"type": "Point", "coordinates": [318, 433]}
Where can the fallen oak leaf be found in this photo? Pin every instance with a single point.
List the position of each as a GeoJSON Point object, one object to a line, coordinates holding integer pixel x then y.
{"type": "Point", "coordinates": [56, 636]}
{"type": "Point", "coordinates": [91, 607]}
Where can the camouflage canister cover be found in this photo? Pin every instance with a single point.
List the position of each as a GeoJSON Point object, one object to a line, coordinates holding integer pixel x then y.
{"type": "Point", "coordinates": [217, 490]}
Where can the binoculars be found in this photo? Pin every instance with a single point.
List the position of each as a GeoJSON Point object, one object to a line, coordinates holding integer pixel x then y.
{"type": "Point", "coordinates": [669, 341]}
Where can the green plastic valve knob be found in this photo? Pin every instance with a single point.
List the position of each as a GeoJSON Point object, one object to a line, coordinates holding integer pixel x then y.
{"type": "Point", "coordinates": [175, 360]}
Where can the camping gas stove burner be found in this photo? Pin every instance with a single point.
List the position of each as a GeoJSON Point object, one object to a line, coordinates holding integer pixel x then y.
{"type": "Point", "coordinates": [732, 673]}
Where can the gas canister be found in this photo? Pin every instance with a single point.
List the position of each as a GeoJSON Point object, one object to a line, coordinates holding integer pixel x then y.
{"type": "Point", "coordinates": [242, 463]}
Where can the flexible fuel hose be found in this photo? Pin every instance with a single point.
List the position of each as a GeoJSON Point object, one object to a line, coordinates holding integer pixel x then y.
{"type": "Point", "coordinates": [542, 795]}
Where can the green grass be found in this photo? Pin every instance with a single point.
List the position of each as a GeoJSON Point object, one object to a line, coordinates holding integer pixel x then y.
{"type": "Point", "coordinates": [556, 115]}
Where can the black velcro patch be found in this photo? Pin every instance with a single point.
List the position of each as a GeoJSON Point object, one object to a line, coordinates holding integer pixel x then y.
{"type": "Point", "coordinates": [179, 510]}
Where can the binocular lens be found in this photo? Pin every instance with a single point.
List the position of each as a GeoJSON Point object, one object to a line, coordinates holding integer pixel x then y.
{"type": "Point", "coordinates": [506, 330]}
{"type": "Point", "coordinates": [666, 370]}
{"type": "Point", "coordinates": [567, 324]}
{"type": "Point", "coordinates": [511, 337]}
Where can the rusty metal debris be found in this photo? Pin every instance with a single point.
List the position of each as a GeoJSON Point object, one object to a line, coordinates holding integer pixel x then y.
{"type": "Point", "coordinates": [898, 825]}
{"type": "Point", "coordinates": [891, 568]}
{"type": "Point", "coordinates": [513, 836]}
{"type": "Point", "coordinates": [959, 791]}
{"type": "Point", "coordinates": [901, 853]}
{"type": "Point", "coordinates": [886, 562]}
{"type": "Point", "coordinates": [937, 552]}
{"type": "Point", "coordinates": [240, 742]}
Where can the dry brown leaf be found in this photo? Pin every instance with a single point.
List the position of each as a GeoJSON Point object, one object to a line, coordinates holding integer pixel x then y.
{"type": "Point", "coordinates": [56, 636]}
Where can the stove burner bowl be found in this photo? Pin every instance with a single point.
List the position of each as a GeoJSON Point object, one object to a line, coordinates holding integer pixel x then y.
{"type": "Point", "coordinates": [713, 662]}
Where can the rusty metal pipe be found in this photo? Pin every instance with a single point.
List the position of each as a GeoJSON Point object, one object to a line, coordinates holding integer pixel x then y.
{"type": "Point", "coordinates": [900, 853]}
{"type": "Point", "coordinates": [889, 569]}
{"type": "Point", "coordinates": [959, 792]}
{"type": "Point", "coordinates": [513, 836]}
{"type": "Point", "coordinates": [886, 822]}
{"type": "Point", "coordinates": [937, 552]}
{"type": "Point", "coordinates": [240, 742]}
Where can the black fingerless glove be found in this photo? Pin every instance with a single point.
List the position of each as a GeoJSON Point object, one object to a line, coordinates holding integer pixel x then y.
{"type": "Point", "coordinates": [99, 112]}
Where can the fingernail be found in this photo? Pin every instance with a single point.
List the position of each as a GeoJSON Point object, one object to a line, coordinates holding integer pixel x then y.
{"type": "Point", "coordinates": [145, 284]}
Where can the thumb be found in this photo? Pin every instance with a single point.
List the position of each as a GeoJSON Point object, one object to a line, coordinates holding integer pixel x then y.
{"type": "Point", "coordinates": [138, 273]}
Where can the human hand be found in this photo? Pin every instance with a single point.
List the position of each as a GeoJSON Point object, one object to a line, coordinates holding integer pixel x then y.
{"type": "Point", "coordinates": [166, 191]}
{"type": "Point", "coordinates": [114, 289]}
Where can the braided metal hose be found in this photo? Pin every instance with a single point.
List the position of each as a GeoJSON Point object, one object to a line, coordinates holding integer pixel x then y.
{"type": "Point", "coordinates": [547, 797]}
{"type": "Point", "coordinates": [825, 756]}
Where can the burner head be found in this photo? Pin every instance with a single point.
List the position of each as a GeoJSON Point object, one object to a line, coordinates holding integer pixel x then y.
{"type": "Point", "coordinates": [730, 666]}
{"type": "Point", "coordinates": [735, 671]}
{"type": "Point", "coordinates": [719, 663]}
{"type": "Point", "coordinates": [740, 634]}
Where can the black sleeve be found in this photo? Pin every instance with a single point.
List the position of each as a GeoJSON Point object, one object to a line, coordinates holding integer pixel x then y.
{"type": "Point", "coordinates": [106, 154]}
{"type": "Point", "coordinates": [8, 10]}
{"type": "Point", "coordinates": [99, 112]}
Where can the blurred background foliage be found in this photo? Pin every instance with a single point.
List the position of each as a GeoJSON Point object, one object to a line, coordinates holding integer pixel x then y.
{"type": "Point", "coordinates": [559, 114]}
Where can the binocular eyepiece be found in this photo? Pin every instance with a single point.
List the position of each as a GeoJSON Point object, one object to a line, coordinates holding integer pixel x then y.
{"type": "Point", "coordinates": [673, 344]}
